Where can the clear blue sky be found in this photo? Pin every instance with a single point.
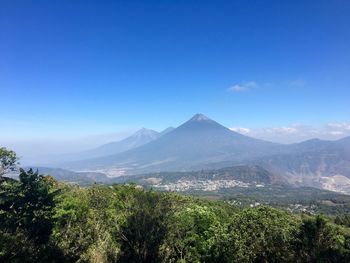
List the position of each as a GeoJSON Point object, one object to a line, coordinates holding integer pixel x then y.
{"type": "Point", "coordinates": [73, 68]}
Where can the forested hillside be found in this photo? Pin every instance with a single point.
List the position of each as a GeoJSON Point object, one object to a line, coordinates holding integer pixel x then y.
{"type": "Point", "coordinates": [42, 220]}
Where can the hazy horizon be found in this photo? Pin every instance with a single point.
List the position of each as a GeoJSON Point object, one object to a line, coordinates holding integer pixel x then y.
{"type": "Point", "coordinates": [45, 149]}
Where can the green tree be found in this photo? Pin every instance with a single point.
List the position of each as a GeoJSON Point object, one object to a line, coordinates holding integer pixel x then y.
{"type": "Point", "coordinates": [27, 205]}
{"type": "Point", "coordinates": [343, 219]}
{"type": "Point", "coordinates": [87, 223]}
{"type": "Point", "coordinates": [320, 241]}
{"type": "Point", "coordinates": [193, 235]}
{"type": "Point", "coordinates": [262, 234]}
{"type": "Point", "coordinates": [8, 161]}
{"type": "Point", "coordinates": [145, 228]}
{"type": "Point", "coordinates": [26, 208]}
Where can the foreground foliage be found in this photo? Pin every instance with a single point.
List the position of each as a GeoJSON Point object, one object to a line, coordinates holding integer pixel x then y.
{"type": "Point", "coordinates": [42, 220]}
{"type": "Point", "coordinates": [8, 161]}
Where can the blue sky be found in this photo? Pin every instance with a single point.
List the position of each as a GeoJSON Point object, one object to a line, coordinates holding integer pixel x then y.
{"type": "Point", "coordinates": [71, 69]}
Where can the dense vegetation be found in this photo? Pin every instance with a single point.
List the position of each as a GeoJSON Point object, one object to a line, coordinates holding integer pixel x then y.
{"type": "Point", "coordinates": [46, 221]}
{"type": "Point", "coordinates": [42, 220]}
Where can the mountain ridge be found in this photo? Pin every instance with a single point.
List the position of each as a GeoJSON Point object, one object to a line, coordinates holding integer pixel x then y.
{"type": "Point", "coordinates": [197, 138]}
{"type": "Point", "coordinates": [202, 143]}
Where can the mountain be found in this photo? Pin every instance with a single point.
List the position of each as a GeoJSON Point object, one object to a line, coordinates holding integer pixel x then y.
{"type": "Point", "coordinates": [318, 163]}
{"type": "Point", "coordinates": [199, 141]}
{"type": "Point", "coordinates": [137, 139]}
{"type": "Point", "coordinates": [167, 130]}
{"type": "Point", "coordinates": [202, 143]}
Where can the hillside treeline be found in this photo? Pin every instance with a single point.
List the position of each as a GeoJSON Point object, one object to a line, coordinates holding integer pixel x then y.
{"type": "Point", "coordinates": [42, 220]}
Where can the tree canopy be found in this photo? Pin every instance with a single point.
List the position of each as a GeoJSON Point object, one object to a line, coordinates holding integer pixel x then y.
{"type": "Point", "coordinates": [8, 161]}
{"type": "Point", "coordinates": [42, 220]}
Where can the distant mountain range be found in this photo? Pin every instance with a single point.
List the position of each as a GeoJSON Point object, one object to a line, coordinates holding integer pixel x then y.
{"type": "Point", "coordinates": [199, 141]}
{"type": "Point", "coordinates": [137, 139]}
{"type": "Point", "coordinates": [202, 143]}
